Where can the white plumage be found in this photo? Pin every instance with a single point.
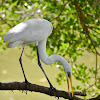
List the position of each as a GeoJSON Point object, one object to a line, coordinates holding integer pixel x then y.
{"type": "Point", "coordinates": [36, 31]}
{"type": "Point", "coordinates": [27, 32]}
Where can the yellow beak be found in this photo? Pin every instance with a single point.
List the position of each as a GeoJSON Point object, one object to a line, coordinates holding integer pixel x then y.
{"type": "Point", "coordinates": [71, 86]}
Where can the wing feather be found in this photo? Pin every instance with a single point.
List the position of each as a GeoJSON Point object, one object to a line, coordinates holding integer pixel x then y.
{"type": "Point", "coordinates": [30, 30]}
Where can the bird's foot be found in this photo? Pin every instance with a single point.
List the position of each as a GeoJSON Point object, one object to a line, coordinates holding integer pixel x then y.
{"type": "Point", "coordinates": [26, 81]}
{"type": "Point", "coordinates": [53, 90]}
{"type": "Point", "coordinates": [26, 84]}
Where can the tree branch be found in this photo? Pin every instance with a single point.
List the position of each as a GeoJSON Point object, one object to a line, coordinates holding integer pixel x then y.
{"type": "Point", "coordinates": [83, 23]}
{"type": "Point", "coordinates": [6, 22]}
{"type": "Point", "coordinates": [37, 88]}
{"type": "Point", "coordinates": [96, 3]}
{"type": "Point", "coordinates": [96, 98]}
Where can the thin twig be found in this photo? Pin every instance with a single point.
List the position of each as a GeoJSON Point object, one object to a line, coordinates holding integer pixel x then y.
{"type": "Point", "coordinates": [6, 21]}
{"type": "Point", "coordinates": [83, 23]}
{"type": "Point", "coordinates": [96, 69]}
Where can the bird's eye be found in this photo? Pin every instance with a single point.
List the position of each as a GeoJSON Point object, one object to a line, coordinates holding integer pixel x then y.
{"type": "Point", "coordinates": [68, 74]}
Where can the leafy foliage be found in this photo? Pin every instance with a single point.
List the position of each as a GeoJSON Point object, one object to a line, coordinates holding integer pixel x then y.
{"type": "Point", "coordinates": [76, 29]}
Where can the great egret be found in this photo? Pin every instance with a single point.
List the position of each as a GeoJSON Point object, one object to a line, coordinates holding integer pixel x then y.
{"type": "Point", "coordinates": [36, 31]}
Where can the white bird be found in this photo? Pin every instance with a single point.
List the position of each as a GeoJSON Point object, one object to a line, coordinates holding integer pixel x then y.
{"type": "Point", "coordinates": [36, 31]}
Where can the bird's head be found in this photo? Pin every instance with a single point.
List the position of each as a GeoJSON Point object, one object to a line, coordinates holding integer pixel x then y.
{"type": "Point", "coordinates": [66, 66]}
{"type": "Point", "coordinates": [68, 72]}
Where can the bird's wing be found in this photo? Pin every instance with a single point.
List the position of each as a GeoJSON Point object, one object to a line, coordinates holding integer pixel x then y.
{"type": "Point", "coordinates": [15, 33]}
{"type": "Point", "coordinates": [30, 30]}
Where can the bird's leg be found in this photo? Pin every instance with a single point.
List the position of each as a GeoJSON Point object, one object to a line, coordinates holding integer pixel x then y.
{"type": "Point", "coordinates": [39, 63]}
{"type": "Point", "coordinates": [20, 60]}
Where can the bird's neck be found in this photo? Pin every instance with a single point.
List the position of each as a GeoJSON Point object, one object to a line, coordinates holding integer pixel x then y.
{"type": "Point", "coordinates": [51, 59]}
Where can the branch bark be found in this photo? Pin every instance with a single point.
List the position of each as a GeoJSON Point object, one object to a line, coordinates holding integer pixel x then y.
{"type": "Point", "coordinates": [37, 88]}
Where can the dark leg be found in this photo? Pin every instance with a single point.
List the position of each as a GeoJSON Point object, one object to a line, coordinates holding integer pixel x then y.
{"type": "Point", "coordinates": [39, 63]}
{"type": "Point", "coordinates": [20, 60]}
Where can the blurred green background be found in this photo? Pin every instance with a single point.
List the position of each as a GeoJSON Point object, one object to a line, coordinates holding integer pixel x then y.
{"type": "Point", "coordinates": [76, 37]}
